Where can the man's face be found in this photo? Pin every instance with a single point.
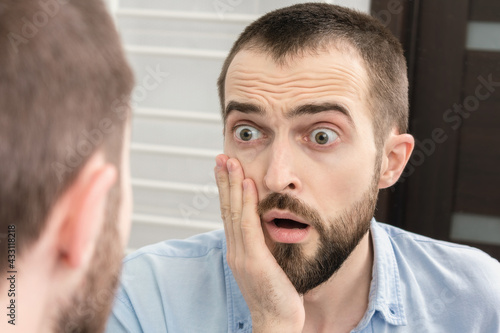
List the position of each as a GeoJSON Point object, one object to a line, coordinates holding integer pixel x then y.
{"type": "Point", "coordinates": [89, 307]}
{"type": "Point", "coordinates": [303, 132]}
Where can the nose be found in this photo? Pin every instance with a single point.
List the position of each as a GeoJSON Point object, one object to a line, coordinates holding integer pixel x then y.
{"type": "Point", "coordinates": [281, 175]}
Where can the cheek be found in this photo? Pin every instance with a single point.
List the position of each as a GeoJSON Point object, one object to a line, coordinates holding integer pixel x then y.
{"type": "Point", "coordinates": [245, 156]}
{"type": "Point", "coordinates": [253, 168]}
{"type": "Point", "coordinates": [337, 186]}
{"type": "Point", "coordinates": [252, 161]}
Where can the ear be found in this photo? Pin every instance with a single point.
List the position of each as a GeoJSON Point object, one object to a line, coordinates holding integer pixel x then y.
{"type": "Point", "coordinates": [397, 152]}
{"type": "Point", "coordinates": [83, 211]}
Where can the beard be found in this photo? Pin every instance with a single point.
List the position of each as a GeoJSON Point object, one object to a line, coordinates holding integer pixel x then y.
{"type": "Point", "coordinates": [338, 237]}
{"type": "Point", "coordinates": [89, 307]}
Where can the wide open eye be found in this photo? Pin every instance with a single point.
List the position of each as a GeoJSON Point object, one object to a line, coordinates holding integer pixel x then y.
{"type": "Point", "coordinates": [323, 136]}
{"type": "Point", "coordinates": [247, 133]}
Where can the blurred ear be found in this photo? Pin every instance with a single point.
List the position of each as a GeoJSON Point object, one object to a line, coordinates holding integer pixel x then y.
{"type": "Point", "coordinates": [397, 152]}
{"type": "Point", "coordinates": [81, 211]}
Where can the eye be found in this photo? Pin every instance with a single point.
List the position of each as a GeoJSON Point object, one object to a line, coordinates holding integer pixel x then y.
{"type": "Point", "coordinates": [247, 133]}
{"type": "Point", "coordinates": [323, 136]}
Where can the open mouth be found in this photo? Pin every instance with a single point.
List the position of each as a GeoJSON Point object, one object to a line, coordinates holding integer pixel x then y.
{"type": "Point", "coordinates": [285, 227]}
{"type": "Point", "coordinates": [289, 224]}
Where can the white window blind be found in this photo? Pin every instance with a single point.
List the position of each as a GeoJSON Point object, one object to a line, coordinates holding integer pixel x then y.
{"type": "Point", "coordinates": [176, 49]}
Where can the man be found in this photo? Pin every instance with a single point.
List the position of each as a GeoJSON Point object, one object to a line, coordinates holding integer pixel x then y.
{"type": "Point", "coordinates": [315, 108]}
{"type": "Point", "coordinates": [65, 198]}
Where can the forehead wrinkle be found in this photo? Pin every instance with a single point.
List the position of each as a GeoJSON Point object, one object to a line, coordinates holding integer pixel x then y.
{"type": "Point", "coordinates": [329, 86]}
{"type": "Point", "coordinates": [262, 76]}
{"type": "Point", "coordinates": [270, 85]}
{"type": "Point", "coordinates": [331, 82]}
{"type": "Point", "coordinates": [284, 73]}
{"type": "Point", "coordinates": [277, 94]}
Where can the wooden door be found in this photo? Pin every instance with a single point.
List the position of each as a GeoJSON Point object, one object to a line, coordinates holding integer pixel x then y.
{"type": "Point", "coordinates": [451, 187]}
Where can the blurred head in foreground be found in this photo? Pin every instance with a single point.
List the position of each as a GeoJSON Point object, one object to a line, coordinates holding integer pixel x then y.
{"type": "Point", "coordinates": [65, 191]}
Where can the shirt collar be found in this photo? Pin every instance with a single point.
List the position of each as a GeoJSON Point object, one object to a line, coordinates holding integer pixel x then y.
{"type": "Point", "coordinates": [385, 290]}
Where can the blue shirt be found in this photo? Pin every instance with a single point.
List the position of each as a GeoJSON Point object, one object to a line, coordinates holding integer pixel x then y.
{"type": "Point", "coordinates": [418, 285]}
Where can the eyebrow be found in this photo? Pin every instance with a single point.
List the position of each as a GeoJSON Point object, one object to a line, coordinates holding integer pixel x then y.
{"type": "Point", "coordinates": [298, 111]}
{"type": "Point", "coordinates": [243, 107]}
{"type": "Point", "coordinates": [323, 107]}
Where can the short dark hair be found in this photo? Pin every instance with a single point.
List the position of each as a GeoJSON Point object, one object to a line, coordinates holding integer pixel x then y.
{"type": "Point", "coordinates": [312, 26]}
{"type": "Point", "coordinates": [64, 93]}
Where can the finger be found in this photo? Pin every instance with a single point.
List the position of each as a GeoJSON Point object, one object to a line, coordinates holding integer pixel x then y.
{"type": "Point", "coordinates": [253, 236]}
{"type": "Point", "coordinates": [236, 199]}
{"type": "Point", "coordinates": [222, 179]}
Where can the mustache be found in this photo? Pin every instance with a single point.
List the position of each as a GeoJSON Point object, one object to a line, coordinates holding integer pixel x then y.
{"type": "Point", "coordinates": [284, 201]}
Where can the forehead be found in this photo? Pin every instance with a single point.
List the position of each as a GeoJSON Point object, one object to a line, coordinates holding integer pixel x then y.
{"type": "Point", "coordinates": [331, 75]}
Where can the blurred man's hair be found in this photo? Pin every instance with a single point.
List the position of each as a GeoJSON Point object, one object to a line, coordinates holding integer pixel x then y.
{"type": "Point", "coordinates": [306, 29]}
{"type": "Point", "coordinates": [64, 94]}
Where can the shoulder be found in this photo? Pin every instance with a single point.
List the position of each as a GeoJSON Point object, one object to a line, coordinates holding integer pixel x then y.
{"type": "Point", "coordinates": [460, 278]}
{"type": "Point", "coordinates": [161, 285]}
{"type": "Point", "coordinates": [469, 261]}
{"type": "Point", "coordinates": [173, 265]}
{"type": "Point", "coordinates": [195, 246]}
{"type": "Point", "coordinates": [177, 261]}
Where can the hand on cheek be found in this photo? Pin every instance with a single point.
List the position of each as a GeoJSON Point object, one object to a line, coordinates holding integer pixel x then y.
{"type": "Point", "coordinates": [273, 301]}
